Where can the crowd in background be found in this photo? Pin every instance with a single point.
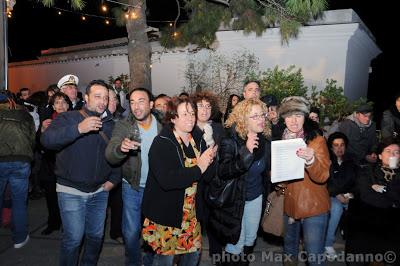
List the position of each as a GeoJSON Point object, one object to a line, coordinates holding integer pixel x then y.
{"type": "Point", "coordinates": [153, 161]}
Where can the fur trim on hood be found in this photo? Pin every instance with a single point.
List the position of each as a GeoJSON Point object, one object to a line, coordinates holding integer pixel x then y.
{"type": "Point", "coordinates": [293, 104]}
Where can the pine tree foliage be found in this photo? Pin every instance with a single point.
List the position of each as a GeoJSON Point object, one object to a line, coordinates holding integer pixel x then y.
{"type": "Point", "coordinates": [256, 16]}
{"type": "Point", "coordinates": [75, 4]}
{"type": "Point", "coordinates": [205, 19]}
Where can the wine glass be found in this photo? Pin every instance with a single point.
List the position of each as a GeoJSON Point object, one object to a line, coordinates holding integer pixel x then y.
{"type": "Point", "coordinates": [134, 134]}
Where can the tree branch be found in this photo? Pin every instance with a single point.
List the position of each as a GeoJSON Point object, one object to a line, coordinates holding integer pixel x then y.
{"type": "Point", "coordinates": [178, 15]}
{"type": "Point", "coordinates": [223, 2]}
{"type": "Point", "coordinates": [277, 7]}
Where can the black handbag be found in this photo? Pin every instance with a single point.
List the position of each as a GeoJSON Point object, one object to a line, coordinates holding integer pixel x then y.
{"type": "Point", "coordinates": [221, 192]}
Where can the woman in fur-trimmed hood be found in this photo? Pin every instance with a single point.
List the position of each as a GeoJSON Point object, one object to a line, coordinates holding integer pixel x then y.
{"type": "Point", "coordinates": [306, 203]}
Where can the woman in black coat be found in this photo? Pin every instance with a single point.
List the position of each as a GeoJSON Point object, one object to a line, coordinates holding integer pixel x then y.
{"type": "Point", "coordinates": [207, 106]}
{"type": "Point", "coordinates": [59, 103]}
{"type": "Point", "coordinates": [374, 214]}
{"type": "Point", "coordinates": [179, 161]}
{"type": "Point", "coordinates": [245, 156]}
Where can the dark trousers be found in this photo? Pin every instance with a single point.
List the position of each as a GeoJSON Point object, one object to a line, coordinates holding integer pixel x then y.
{"type": "Point", "coordinates": [115, 204]}
{"type": "Point", "coordinates": [54, 218]}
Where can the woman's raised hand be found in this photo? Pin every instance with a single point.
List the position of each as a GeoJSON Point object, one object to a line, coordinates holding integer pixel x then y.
{"type": "Point", "coordinates": [252, 142]}
{"type": "Point", "coordinates": [306, 154]}
{"type": "Point", "coordinates": [206, 158]}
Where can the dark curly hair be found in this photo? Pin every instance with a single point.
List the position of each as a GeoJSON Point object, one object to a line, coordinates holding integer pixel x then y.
{"type": "Point", "coordinates": [209, 97]}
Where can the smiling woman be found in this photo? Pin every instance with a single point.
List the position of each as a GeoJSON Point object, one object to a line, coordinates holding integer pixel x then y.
{"type": "Point", "coordinates": [172, 200]}
{"type": "Point", "coordinates": [244, 155]}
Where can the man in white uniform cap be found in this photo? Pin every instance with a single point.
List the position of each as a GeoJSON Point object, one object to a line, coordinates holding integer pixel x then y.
{"type": "Point", "coordinates": [69, 85]}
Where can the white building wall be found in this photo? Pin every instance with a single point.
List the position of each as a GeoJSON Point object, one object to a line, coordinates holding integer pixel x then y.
{"type": "Point", "coordinates": [39, 76]}
{"type": "Point", "coordinates": [168, 72]}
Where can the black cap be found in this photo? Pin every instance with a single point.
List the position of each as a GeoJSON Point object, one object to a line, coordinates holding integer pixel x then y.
{"type": "Point", "coordinates": [364, 108]}
{"type": "Point", "coordinates": [269, 100]}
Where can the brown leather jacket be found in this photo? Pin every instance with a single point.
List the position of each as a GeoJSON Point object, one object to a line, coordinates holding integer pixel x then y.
{"type": "Point", "coordinates": [309, 196]}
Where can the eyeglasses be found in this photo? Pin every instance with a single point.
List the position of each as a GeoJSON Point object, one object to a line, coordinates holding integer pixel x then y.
{"type": "Point", "coordinates": [207, 107]}
{"type": "Point", "coordinates": [258, 117]}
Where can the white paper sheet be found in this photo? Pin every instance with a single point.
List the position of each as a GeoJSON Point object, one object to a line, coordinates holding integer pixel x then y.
{"type": "Point", "coordinates": [285, 164]}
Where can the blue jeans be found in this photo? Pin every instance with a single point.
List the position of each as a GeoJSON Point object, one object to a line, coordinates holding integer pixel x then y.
{"type": "Point", "coordinates": [82, 216]}
{"type": "Point", "coordinates": [188, 259]}
{"type": "Point", "coordinates": [17, 175]}
{"type": "Point", "coordinates": [314, 229]}
{"type": "Point", "coordinates": [334, 219]}
{"type": "Point", "coordinates": [250, 222]}
{"type": "Point", "coordinates": [132, 225]}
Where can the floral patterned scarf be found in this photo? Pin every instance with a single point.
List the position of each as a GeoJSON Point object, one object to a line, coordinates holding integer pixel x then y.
{"type": "Point", "coordinates": [290, 135]}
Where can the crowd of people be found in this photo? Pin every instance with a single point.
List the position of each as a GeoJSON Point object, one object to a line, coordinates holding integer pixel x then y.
{"type": "Point", "coordinates": [152, 161]}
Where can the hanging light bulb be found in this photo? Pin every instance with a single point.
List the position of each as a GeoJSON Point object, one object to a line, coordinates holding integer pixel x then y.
{"type": "Point", "coordinates": [59, 13]}
{"type": "Point", "coordinates": [107, 22]}
{"type": "Point", "coordinates": [104, 8]}
{"type": "Point", "coordinates": [83, 18]}
{"type": "Point", "coordinates": [170, 24]}
{"type": "Point", "coordinates": [175, 34]}
{"type": "Point", "coordinates": [9, 14]}
{"type": "Point", "coordinates": [127, 15]}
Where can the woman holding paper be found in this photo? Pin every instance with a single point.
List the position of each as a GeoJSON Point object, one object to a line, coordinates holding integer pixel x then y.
{"type": "Point", "coordinates": [243, 155]}
{"type": "Point", "coordinates": [307, 200]}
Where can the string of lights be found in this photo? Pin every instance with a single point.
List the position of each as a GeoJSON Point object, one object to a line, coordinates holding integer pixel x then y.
{"type": "Point", "coordinates": [122, 4]}
{"type": "Point", "coordinates": [60, 10]}
{"type": "Point", "coordinates": [104, 8]}
{"type": "Point", "coordinates": [129, 14]}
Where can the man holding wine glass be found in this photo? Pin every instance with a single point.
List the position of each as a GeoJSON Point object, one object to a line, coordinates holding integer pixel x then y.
{"type": "Point", "coordinates": [84, 177]}
{"type": "Point", "coordinates": [129, 147]}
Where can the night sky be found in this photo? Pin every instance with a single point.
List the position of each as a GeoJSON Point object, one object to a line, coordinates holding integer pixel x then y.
{"type": "Point", "coordinates": [33, 28]}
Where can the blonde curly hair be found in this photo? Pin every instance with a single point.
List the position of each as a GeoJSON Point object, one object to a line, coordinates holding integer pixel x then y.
{"type": "Point", "coordinates": [238, 117]}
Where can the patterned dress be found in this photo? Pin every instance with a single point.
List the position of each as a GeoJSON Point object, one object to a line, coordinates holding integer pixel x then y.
{"type": "Point", "coordinates": [167, 240]}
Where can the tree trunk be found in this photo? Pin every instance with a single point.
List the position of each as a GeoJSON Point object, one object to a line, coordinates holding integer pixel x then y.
{"type": "Point", "coordinates": [3, 45]}
{"type": "Point", "coordinates": [139, 50]}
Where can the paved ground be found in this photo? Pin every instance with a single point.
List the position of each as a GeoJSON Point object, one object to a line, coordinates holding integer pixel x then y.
{"type": "Point", "coordinates": [44, 250]}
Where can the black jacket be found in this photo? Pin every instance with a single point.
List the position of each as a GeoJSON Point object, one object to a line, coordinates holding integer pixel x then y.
{"type": "Point", "coordinates": [390, 126]}
{"type": "Point", "coordinates": [234, 162]}
{"type": "Point", "coordinates": [277, 129]}
{"type": "Point", "coordinates": [80, 162]}
{"type": "Point", "coordinates": [341, 177]}
{"type": "Point", "coordinates": [373, 174]}
{"type": "Point", "coordinates": [168, 178]}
